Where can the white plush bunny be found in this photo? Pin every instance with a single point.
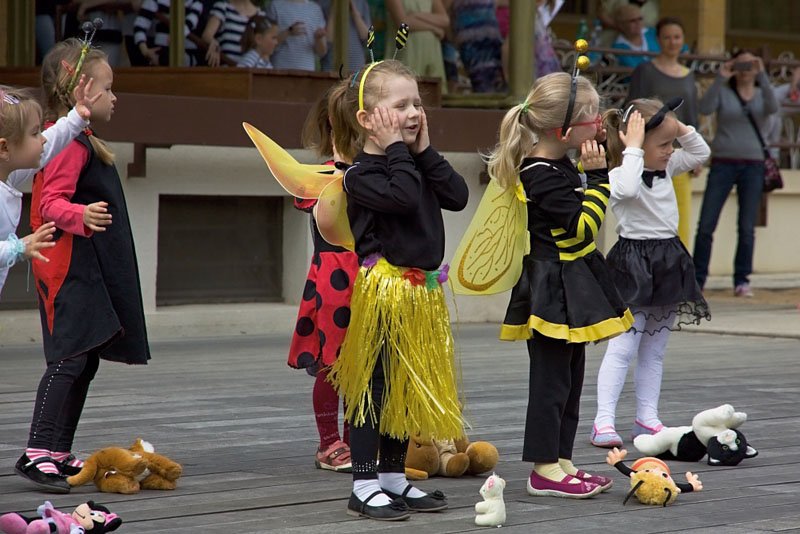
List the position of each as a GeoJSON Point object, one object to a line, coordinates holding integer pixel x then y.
{"type": "Point", "coordinates": [492, 511]}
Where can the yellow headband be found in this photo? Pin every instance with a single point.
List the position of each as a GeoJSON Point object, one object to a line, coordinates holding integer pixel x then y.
{"type": "Point", "coordinates": [361, 85]}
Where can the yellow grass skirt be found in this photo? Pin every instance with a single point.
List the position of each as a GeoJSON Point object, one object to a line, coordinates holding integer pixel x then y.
{"type": "Point", "coordinates": [400, 315]}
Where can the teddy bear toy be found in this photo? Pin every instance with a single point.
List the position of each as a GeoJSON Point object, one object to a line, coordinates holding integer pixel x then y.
{"type": "Point", "coordinates": [713, 432]}
{"type": "Point", "coordinates": [448, 458]}
{"type": "Point", "coordinates": [118, 470]}
{"type": "Point", "coordinates": [651, 481]}
{"type": "Point", "coordinates": [88, 517]}
{"type": "Point", "coordinates": [492, 510]}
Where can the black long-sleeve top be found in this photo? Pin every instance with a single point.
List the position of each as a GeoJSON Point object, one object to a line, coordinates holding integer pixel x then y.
{"type": "Point", "coordinates": [395, 202]}
{"type": "Point", "coordinates": [563, 219]}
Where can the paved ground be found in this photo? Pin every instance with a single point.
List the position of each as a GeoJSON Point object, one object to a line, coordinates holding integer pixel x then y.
{"type": "Point", "coordinates": [240, 421]}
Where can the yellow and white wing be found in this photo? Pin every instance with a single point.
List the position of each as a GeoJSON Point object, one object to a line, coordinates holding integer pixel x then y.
{"type": "Point", "coordinates": [331, 214]}
{"type": "Point", "coordinates": [489, 258]}
{"type": "Point", "coordinates": [299, 179]}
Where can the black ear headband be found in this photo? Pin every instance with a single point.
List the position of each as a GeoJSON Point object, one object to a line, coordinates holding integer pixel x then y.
{"type": "Point", "coordinates": [581, 63]}
{"type": "Point", "coordinates": [656, 120]}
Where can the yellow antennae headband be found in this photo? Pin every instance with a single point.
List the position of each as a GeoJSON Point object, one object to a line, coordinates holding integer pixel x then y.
{"type": "Point", "coordinates": [362, 83]}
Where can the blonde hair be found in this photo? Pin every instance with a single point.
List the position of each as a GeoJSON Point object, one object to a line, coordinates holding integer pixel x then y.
{"type": "Point", "coordinates": [15, 116]}
{"type": "Point", "coordinates": [348, 135]}
{"type": "Point", "coordinates": [56, 79]}
{"type": "Point", "coordinates": [612, 122]}
{"type": "Point", "coordinates": [544, 109]}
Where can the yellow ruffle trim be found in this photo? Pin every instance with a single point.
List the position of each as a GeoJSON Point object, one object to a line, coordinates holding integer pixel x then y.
{"type": "Point", "coordinates": [597, 332]}
{"type": "Point", "coordinates": [406, 325]}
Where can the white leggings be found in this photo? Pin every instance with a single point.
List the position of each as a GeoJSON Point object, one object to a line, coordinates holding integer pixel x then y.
{"type": "Point", "coordinates": [649, 350]}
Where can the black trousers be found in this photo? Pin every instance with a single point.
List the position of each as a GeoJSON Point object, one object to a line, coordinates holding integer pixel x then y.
{"type": "Point", "coordinates": [366, 441]}
{"type": "Point", "coordinates": [59, 402]}
{"type": "Point", "coordinates": [554, 394]}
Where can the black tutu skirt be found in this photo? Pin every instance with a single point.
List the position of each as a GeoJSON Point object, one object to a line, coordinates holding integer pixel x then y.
{"type": "Point", "coordinates": [575, 301]}
{"type": "Point", "coordinates": [656, 277]}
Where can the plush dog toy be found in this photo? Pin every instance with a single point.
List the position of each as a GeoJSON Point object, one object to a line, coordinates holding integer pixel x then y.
{"type": "Point", "coordinates": [492, 510]}
{"type": "Point", "coordinates": [713, 432]}
{"type": "Point", "coordinates": [88, 517]}
{"type": "Point", "coordinates": [448, 458]}
{"type": "Point", "coordinates": [118, 470]}
{"type": "Point", "coordinates": [651, 481]}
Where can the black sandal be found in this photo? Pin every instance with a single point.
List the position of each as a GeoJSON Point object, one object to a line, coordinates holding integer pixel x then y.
{"type": "Point", "coordinates": [396, 510]}
{"type": "Point", "coordinates": [50, 482]}
{"type": "Point", "coordinates": [431, 502]}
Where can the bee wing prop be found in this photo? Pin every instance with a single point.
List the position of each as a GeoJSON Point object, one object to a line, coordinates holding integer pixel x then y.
{"type": "Point", "coordinates": [331, 215]}
{"type": "Point", "coordinates": [489, 258]}
{"type": "Point", "coordinates": [298, 179]}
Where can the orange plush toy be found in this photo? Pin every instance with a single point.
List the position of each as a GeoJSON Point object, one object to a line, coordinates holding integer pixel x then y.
{"type": "Point", "coordinates": [118, 470]}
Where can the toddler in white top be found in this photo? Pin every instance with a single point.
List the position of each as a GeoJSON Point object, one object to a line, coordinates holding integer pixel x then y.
{"type": "Point", "coordinates": [24, 149]}
{"type": "Point", "coordinates": [651, 268]}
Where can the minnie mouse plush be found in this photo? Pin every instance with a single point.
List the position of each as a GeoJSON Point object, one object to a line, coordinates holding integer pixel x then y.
{"type": "Point", "coordinates": [88, 518]}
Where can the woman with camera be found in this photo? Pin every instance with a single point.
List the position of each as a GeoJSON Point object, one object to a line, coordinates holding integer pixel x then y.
{"type": "Point", "coordinates": [742, 97]}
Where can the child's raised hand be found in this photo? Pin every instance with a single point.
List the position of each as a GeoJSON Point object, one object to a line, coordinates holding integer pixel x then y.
{"type": "Point", "coordinates": [41, 238]}
{"type": "Point", "coordinates": [423, 140]}
{"type": "Point", "coordinates": [634, 138]}
{"type": "Point", "coordinates": [83, 104]}
{"type": "Point", "coordinates": [385, 128]}
{"type": "Point", "coordinates": [96, 216]}
{"type": "Point", "coordinates": [593, 156]}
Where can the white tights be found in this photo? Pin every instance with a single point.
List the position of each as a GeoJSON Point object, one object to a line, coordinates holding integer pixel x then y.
{"type": "Point", "coordinates": [649, 350]}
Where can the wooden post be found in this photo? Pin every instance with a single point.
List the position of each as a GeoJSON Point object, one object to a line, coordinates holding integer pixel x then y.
{"type": "Point", "coordinates": [341, 32]}
{"type": "Point", "coordinates": [177, 21]}
{"type": "Point", "coordinates": [521, 59]}
{"type": "Point", "coordinates": [21, 36]}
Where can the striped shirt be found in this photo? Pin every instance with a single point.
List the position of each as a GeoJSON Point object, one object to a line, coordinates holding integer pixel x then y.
{"type": "Point", "coordinates": [297, 51]}
{"type": "Point", "coordinates": [253, 60]}
{"type": "Point", "coordinates": [231, 28]}
{"type": "Point", "coordinates": [356, 48]}
{"type": "Point", "coordinates": [154, 12]}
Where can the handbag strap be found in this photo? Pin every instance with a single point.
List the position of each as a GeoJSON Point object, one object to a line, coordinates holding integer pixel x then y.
{"type": "Point", "coordinates": [752, 123]}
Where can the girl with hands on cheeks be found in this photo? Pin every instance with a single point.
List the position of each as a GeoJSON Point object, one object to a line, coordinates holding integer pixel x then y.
{"type": "Point", "coordinates": [564, 297]}
{"type": "Point", "coordinates": [650, 266]}
{"type": "Point", "coordinates": [399, 339]}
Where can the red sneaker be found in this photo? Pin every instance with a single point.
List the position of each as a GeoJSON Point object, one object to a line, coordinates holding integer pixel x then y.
{"type": "Point", "coordinates": [539, 486]}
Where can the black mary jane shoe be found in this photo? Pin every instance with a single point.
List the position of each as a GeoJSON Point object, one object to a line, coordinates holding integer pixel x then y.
{"type": "Point", "coordinates": [394, 511]}
{"type": "Point", "coordinates": [431, 502]}
{"type": "Point", "coordinates": [52, 483]}
{"type": "Point", "coordinates": [65, 468]}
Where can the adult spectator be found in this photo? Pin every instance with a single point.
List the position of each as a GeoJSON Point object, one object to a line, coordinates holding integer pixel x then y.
{"type": "Point", "coordinates": [358, 29]}
{"type": "Point", "coordinates": [665, 78]}
{"type": "Point", "coordinates": [155, 13]}
{"type": "Point", "coordinates": [428, 21]}
{"type": "Point", "coordinates": [302, 37]}
{"type": "Point", "coordinates": [740, 89]}
{"type": "Point", "coordinates": [223, 32]}
{"type": "Point", "coordinates": [633, 35]}
{"type": "Point", "coordinates": [476, 35]}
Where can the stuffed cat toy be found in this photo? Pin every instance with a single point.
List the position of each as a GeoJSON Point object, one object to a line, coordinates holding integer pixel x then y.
{"type": "Point", "coordinates": [713, 432]}
{"type": "Point", "coordinates": [492, 510]}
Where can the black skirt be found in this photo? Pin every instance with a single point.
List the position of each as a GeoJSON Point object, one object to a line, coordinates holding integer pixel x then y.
{"type": "Point", "coordinates": [656, 277]}
{"type": "Point", "coordinates": [575, 301]}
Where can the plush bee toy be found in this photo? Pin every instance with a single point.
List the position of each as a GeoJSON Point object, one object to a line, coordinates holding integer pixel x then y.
{"type": "Point", "coordinates": [651, 481]}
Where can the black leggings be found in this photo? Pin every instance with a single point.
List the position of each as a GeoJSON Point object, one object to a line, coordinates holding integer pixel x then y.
{"type": "Point", "coordinates": [554, 395]}
{"type": "Point", "coordinates": [59, 402]}
{"type": "Point", "coordinates": [366, 441]}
